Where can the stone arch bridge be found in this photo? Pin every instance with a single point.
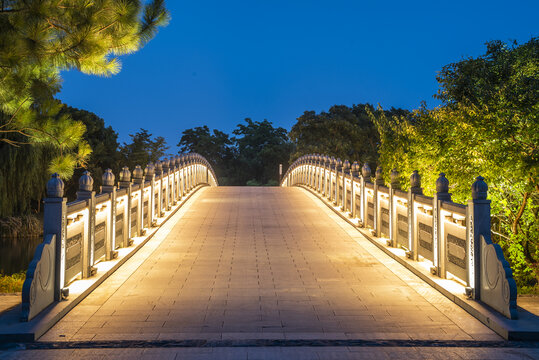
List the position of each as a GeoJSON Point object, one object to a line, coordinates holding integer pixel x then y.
{"type": "Point", "coordinates": [332, 256]}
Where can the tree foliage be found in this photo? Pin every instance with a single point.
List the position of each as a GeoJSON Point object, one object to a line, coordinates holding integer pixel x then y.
{"type": "Point", "coordinates": [252, 156]}
{"type": "Point", "coordinates": [343, 132]}
{"type": "Point", "coordinates": [142, 149]}
{"type": "Point", "coordinates": [40, 38]}
{"type": "Point", "coordinates": [104, 143]}
{"type": "Point", "coordinates": [216, 146]}
{"type": "Point", "coordinates": [23, 175]}
{"type": "Point", "coordinates": [488, 124]}
{"type": "Point", "coordinates": [261, 148]}
{"type": "Point", "coordinates": [24, 170]}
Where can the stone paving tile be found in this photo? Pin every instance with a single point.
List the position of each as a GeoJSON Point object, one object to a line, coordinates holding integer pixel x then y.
{"type": "Point", "coordinates": [265, 263]}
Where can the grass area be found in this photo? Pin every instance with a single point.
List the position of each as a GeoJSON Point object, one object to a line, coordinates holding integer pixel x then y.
{"type": "Point", "coordinates": [528, 290]}
{"type": "Point", "coordinates": [12, 283]}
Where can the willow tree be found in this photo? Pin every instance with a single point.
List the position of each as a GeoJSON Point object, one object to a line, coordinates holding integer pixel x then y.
{"type": "Point", "coordinates": [41, 38]}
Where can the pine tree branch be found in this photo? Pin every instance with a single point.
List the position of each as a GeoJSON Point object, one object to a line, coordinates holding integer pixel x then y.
{"type": "Point", "coordinates": [106, 27]}
{"type": "Point", "coordinates": [15, 113]}
{"type": "Point", "coordinates": [56, 26]}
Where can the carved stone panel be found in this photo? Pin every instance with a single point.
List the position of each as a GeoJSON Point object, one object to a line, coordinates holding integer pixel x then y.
{"type": "Point", "coordinates": [119, 235]}
{"type": "Point", "coordinates": [498, 288]}
{"type": "Point", "coordinates": [38, 288]}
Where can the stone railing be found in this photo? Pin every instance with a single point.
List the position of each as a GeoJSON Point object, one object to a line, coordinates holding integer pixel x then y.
{"type": "Point", "coordinates": [79, 234]}
{"type": "Point", "coordinates": [453, 238]}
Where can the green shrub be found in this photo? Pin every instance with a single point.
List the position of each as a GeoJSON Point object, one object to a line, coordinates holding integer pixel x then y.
{"type": "Point", "coordinates": [12, 283]}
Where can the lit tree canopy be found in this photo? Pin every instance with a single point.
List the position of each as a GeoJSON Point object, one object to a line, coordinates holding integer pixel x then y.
{"type": "Point", "coordinates": [488, 124]}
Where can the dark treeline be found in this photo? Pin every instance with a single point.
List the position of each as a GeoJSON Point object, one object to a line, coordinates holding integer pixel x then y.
{"type": "Point", "coordinates": [250, 157]}
{"type": "Point", "coordinates": [343, 132]}
{"type": "Point", "coordinates": [25, 169]}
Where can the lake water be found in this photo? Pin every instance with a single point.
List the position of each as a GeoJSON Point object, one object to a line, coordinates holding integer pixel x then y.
{"type": "Point", "coordinates": [16, 253]}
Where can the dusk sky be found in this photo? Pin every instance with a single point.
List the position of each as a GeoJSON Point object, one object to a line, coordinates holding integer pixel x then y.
{"type": "Point", "coordinates": [218, 62]}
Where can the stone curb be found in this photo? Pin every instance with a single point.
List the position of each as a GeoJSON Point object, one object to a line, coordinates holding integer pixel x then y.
{"type": "Point", "coordinates": [198, 343]}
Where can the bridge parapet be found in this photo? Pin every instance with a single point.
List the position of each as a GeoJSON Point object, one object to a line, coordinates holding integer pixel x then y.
{"type": "Point", "coordinates": [91, 229]}
{"type": "Point", "coordinates": [453, 238]}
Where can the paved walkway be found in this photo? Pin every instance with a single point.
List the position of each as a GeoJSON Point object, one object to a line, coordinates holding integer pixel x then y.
{"type": "Point", "coordinates": [265, 263]}
{"type": "Point", "coordinates": [238, 264]}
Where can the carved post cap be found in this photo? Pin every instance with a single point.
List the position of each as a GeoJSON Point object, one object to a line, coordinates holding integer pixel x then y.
{"type": "Point", "coordinates": [172, 162]}
{"type": "Point", "coordinates": [55, 186]}
{"type": "Point", "coordinates": [137, 172]}
{"type": "Point", "coordinates": [442, 184]}
{"type": "Point", "coordinates": [332, 161]}
{"type": "Point", "coordinates": [415, 180]}
{"type": "Point", "coordinates": [86, 183]}
{"type": "Point", "coordinates": [479, 189]}
{"type": "Point", "coordinates": [378, 176]}
{"type": "Point", "coordinates": [346, 165]}
{"type": "Point", "coordinates": [395, 179]}
{"type": "Point", "coordinates": [355, 168]}
{"type": "Point", "coordinates": [108, 178]}
{"type": "Point", "coordinates": [338, 163]}
{"type": "Point", "coordinates": [366, 171]}
{"type": "Point", "coordinates": [165, 163]}
{"type": "Point", "coordinates": [149, 170]}
{"type": "Point", "coordinates": [158, 167]}
{"type": "Point", "coordinates": [125, 174]}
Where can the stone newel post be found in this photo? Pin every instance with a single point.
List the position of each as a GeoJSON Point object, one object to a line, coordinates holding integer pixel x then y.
{"type": "Point", "coordinates": [110, 237]}
{"type": "Point", "coordinates": [331, 191]}
{"type": "Point", "coordinates": [165, 185]}
{"type": "Point", "coordinates": [438, 241]}
{"type": "Point", "coordinates": [490, 276]}
{"type": "Point", "coordinates": [354, 173]}
{"type": "Point", "coordinates": [55, 222]}
{"type": "Point", "coordinates": [378, 181]}
{"type": "Point", "coordinates": [149, 174]}
{"type": "Point", "coordinates": [393, 185]}
{"type": "Point", "coordinates": [413, 240]}
{"type": "Point", "coordinates": [125, 183]}
{"type": "Point", "coordinates": [338, 169]}
{"type": "Point", "coordinates": [138, 178]}
{"type": "Point", "coordinates": [86, 185]}
{"type": "Point", "coordinates": [345, 173]}
{"type": "Point", "coordinates": [365, 176]}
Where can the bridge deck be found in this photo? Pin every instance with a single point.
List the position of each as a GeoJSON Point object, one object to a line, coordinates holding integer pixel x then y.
{"type": "Point", "coordinates": [263, 263]}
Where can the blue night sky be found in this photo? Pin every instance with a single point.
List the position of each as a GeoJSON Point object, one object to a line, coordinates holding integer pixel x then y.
{"type": "Point", "coordinates": [218, 62]}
